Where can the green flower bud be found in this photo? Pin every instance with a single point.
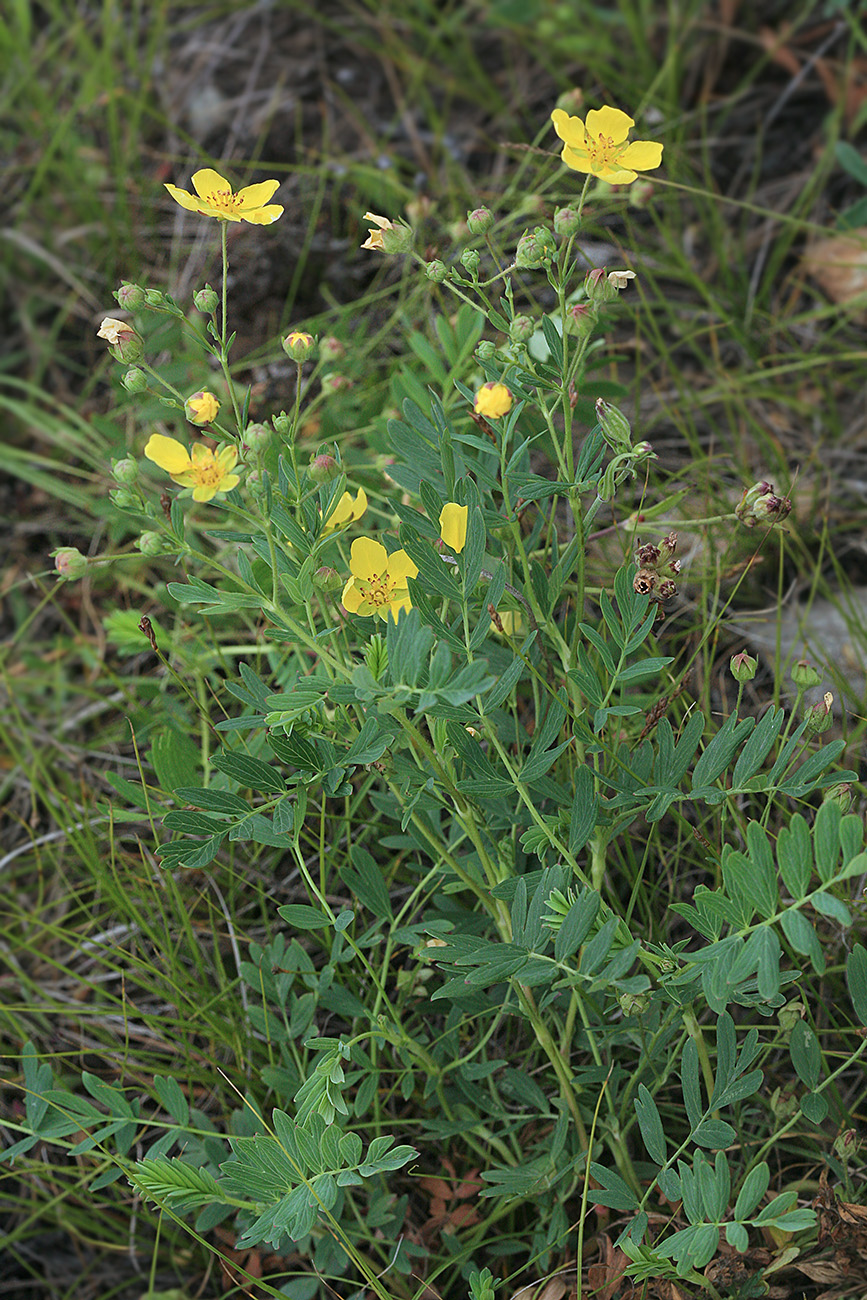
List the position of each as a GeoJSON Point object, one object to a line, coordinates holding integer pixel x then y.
{"type": "Point", "coordinates": [819, 716]}
{"type": "Point", "coordinates": [324, 468]}
{"type": "Point", "coordinates": [256, 437]}
{"type": "Point", "coordinates": [840, 794]}
{"type": "Point", "coordinates": [328, 579]}
{"type": "Point", "coordinates": [436, 271]}
{"type": "Point", "coordinates": [486, 350]}
{"type": "Point", "coordinates": [130, 296]}
{"type": "Point", "coordinates": [299, 346]}
{"type": "Point", "coordinates": [334, 383]}
{"type": "Point", "coordinates": [206, 300]}
{"type": "Point", "coordinates": [789, 1015]}
{"type": "Point", "coordinates": [123, 498]}
{"type": "Point", "coordinates": [847, 1144]}
{"type": "Point", "coordinates": [135, 380]}
{"type": "Point", "coordinates": [567, 222]}
{"type": "Point", "coordinates": [535, 248]}
{"type": "Point", "coordinates": [282, 425]}
{"type": "Point", "coordinates": [616, 429]}
{"type": "Point", "coordinates": [150, 544]}
{"type": "Point", "coordinates": [331, 349]}
{"type": "Point", "coordinates": [804, 675]}
{"type": "Point", "coordinates": [521, 329]}
{"type": "Point", "coordinates": [479, 221]}
{"type": "Point", "coordinates": [69, 563]}
{"type": "Point", "coordinates": [634, 1004]}
{"type": "Point", "coordinates": [743, 667]}
{"type": "Point", "coordinates": [470, 261]}
{"type": "Point", "coordinates": [153, 298]}
{"type": "Point", "coordinates": [125, 471]}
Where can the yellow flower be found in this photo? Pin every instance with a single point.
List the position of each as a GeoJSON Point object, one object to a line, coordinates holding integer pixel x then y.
{"type": "Point", "coordinates": [493, 401]}
{"type": "Point", "coordinates": [378, 583]}
{"type": "Point", "coordinates": [512, 623]}
{"type": "Point", "coordinates": [346, 512]}
{"type": "Point", "coordinates": [453, 526]}
{"type": "Point", "coordinates": [598, 145]}
{"type": "Point", "coordinates": [201, 408]}
{"type": "Point", "coordinates": [216, 199]}
{"type": "Point", "coordinates": [206, 472]}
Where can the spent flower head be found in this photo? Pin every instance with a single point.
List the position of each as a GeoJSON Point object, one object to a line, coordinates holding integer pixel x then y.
{"type": "Point", "coordinates": [599, 145]}
{"type": "Point", "coordinates": [214, 197]}
{"type": "Point", "coordinates": [124, 343]}
{"type": "Point", "coordinates": [387, 236]}
{"type": "Point", "coordinates": [205, 471]}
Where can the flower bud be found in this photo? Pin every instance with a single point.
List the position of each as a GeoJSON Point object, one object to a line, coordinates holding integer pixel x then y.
{"type": "Point", "coordinates": [282, 425]}
{"type": "Point", "coordinates": [331, 349]}
{"type": "Point", "coordinates": [436, 271]}
{"type": "Point", "coordinates": [493, 401]}
{"type": "Point", "coordinates": [847, 1144]}
{"type": "Point", "coordinates": [571, 101]}
{"type": "Point", "coordinates": [643, 451]}
{"type": "Point", "coordinates": [634, 1004]}
{"type": "Point", "coordinates": [255, 482]}
{"type": "Point", "coordinates": [616, 429]}
{"type": "Point", "coordinates": [124, 343]}
{"type": "Point", "coordinates": [486, 350]}
{"type": "Point", "coordinates": [324, 468]}
{"type": "Point", "coordinates": [789, 1015]}
{"type": "Point", "coordinates": [470, 261]}
{"type": "Point", "coordinates": [328, 579]}
{"type": "Point", "coordinates": [130, 296]}
{"type": "Point", "coordinates": [201, 408]}
{"type": "Point", "coordinates": [256, 437]}
{"type": "Point", "coordinates": [783, 1104]}
{"type": "Point", "coordinates": [299, 346]}
{"type": "Point", "coordinates": [580, 318]}
{"type": "Point", "coordinates": [153, 298]}
{"type": "Point", "coordinates": [135, 380]}
{"type": "Point", "coordinates": [334, 383]}
{"type": "Point", "coordinates": [567, 222]}
{"type": "Point", "coordinates": [535, 248]}
{"type": "Point", "coordinates": [206, 300]}
{"type": "Point", "coordinates": [125, 471]}
{"type": "Point", "coordinates": [150, 544]}
{"type": "Point", "coordinates": [124, 499]}
{"type": "Point", "coordinates": [69, 562]}
{"type": "Point", "coordinates": [479, 221]}
{"type": "Point", "coordinates": [521, 329]}
{"type": "Point", "coordinates": [819, 716]}
{"type": "Point", "coordinates": [840, 794]}
{"type": "Point", "coordinates": [743, 667]}
{"type": "Point", "coordinates": [804, 675]}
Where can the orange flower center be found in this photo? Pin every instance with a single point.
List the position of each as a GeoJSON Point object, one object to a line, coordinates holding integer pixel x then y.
{"type": "Point", "coordinates": [377, 589]}
{"type": "Point", "coordinates": [602, 151]}
{"type": "Point", "coordinates": [224, 199]}
{"type": "Point", "coordinates": [208, 473]}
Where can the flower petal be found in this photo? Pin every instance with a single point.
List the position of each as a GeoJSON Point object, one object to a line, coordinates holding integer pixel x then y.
{"type": "Point", "coordinates": [256, 196]}
{"type": "Point", "coordinates": [578, 160]}
{"type": "Point", "coordinates": [186, 200]}
{"type": "Point", "coordinates": [205, 491]}
{"type": "Point", "coordinates": [367, 557]}
{"type": "Point", "coordinates": [641, 155]}
{"type": "Point", "coordinates": [262, 216]}
{"type": "Point", "coordinates": [612, 123]}
{"type": "Point", "coordinates": [453, 526]}
{"type": "Point", "coordinates": [570, 129]}
{"type": "Point", "coordinates": [395, 609]}
{"type": "Point", "coordinates": [227, 458]}
{"type": "Point", "coordinates": [400, 567]}
{"type": "Point", "coordinates": [208, 182]}
{"type": "Point", "coordinates": [351, 598]}
{"type": "Point", "coordinates": [168, 453]}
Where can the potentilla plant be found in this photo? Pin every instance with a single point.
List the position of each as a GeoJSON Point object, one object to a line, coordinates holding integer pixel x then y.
{"type": "Point", "coordinates": [479, 973]}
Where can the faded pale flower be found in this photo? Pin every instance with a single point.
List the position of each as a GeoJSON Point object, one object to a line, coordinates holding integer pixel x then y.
{"type": "Point", "coordinates": [492, 401]}
{"type": "Point", "coordinates": [125, 344]}
{"type": "Point", "coordinates": [205, 471]}
{"type": "Point", "coordinates": [620, 279]}
{"type": "Point", "coordinates": [214, 197]}
{"type": "Point", "coordinates": [598, 145]}
{"type": "Point", "coordinates": [378, 586]}
{"type": "Point", "coordinates": [386, 236]}
{"type": "Point", "coordinates": [510, 623]}
{"type": "Point", "coordinates": [201, 408]}
{"type": "Point", "coordinates": [453, 526]}
{"type": "Point", "coordinates": [346, 511]}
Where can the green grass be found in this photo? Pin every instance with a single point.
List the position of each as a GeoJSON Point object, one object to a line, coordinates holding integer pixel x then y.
{"type": "Point", "coordinates": [737, 369]}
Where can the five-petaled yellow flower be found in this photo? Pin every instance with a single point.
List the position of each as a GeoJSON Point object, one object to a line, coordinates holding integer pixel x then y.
{"type": "Point", "coordinates": [206, 472]}
{"type": "Point", "coordinates": [346, 511]}
{"type": "Point", "coordinates": [378, 583]}
{"type": "Point", "coordinates": [453, 526]}
{"type": "Point", "coordinates": [598, 145]}
{"type": "Point", "coordinates": [493, 401]}
{"type": "Point", "coordinates": [216, 199]}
